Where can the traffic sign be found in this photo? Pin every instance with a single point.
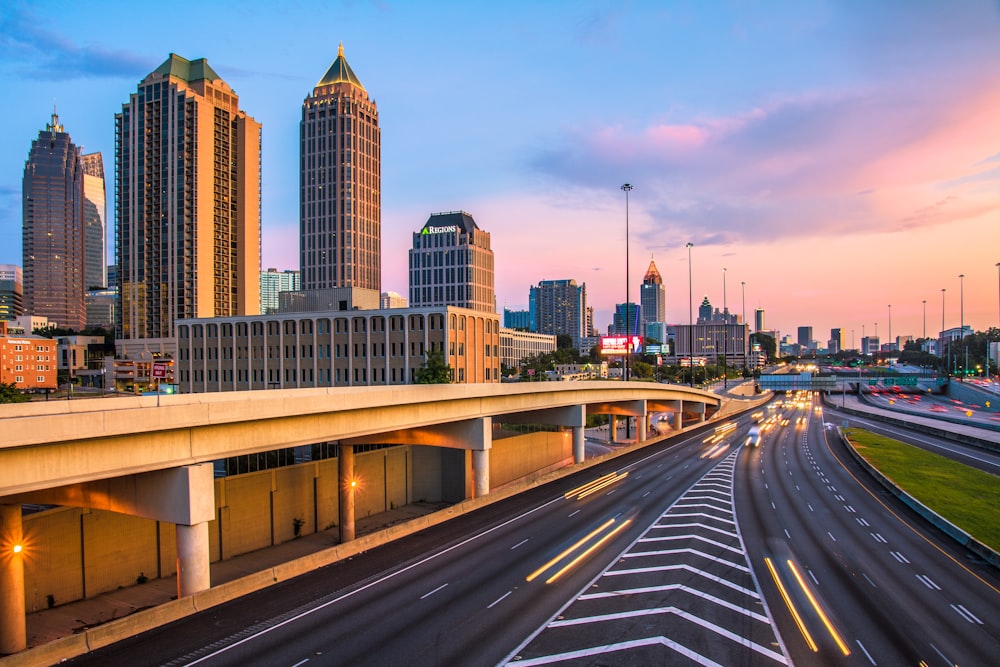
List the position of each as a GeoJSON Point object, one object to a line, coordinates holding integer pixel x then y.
{"type": "Point", "coordinates": [159, 370]}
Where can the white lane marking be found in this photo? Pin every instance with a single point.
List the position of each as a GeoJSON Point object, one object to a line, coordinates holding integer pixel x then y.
{"type": "Point", "coordinates": [574, 513]}
{"type": "Point", "coordinates": [898, 555]}
{"type": "Point", "coordinates": [943, 656]}
{"type": "Point", "coordinates": [831, 536]}
{"type": "Point", "coordinates": [797, 488]}
{"type": "Point", "coordinates": [867, 654]}
{"type": "Point", "coordinates": [498, 600]}
{"type": "Point", "coordinates": [646, 494]}
{"type": "Point", "coordinates": [813, 577]}
{"type": "Point", "coordinates": [810, 507]}
{"type": "Point", "coordinates": [301, 662]}
{"type": "Point", "coordinates": [427, 595]}
{"type": "Point", "coordinates": [772, 505]}
{"type": "Point", "coordinates": [966, 614]}
{"type": "Point", "coordinates": [840, 498]}
{"type": "Point", "coordinates": [787, 534]}
{"type": "Point", "coordinates": [518, 544]}
{"type": "Point", "coordinates": [928, 582]}
{"type": "Point", "coordinates": [879, 538]}
{"type": "Point", "coordinates": [765, 485]}
{"type": "Point", "coordinates": [862, 522]}
{"type": "Point", "coordinates": [833, 488]}
{"type": "Point", "coordinates": [868, 579]}
{"type": "Point", "coordinates": [610, 492]}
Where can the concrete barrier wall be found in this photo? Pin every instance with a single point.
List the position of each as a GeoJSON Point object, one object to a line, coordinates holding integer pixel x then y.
{"type": "Point", "coordinates": [518, 455]}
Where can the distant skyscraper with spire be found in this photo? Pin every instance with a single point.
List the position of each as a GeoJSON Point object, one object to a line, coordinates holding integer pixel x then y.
{"type": "Point", "coordinates": [705, 311]}
{"type": "Point", "coordinates": [187, 213]}
{"type": "Point", "coordinates": [652, 296]}
{"type": "Point", "coordinates": [340, 200]}
{"type": "Point", "coordinates": [53, 229]}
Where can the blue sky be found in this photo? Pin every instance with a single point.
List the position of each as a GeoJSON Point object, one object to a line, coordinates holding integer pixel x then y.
{"type": "Point", "coordinates": [836, 157]}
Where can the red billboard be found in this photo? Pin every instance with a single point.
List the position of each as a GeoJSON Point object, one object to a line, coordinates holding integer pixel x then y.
{"type": "Point", "coordinates": [612, 345]}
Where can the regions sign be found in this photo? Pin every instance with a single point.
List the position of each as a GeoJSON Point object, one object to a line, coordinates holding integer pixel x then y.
{"type": "Point", "coordinates": [443, 229]}
{"type": "Point", "coordinates": [621, 344]}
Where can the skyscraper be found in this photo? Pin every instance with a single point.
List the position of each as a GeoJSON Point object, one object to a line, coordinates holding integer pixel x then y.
{"type": "Point", "coordinates": [805, 336]}
{"type": "Point", "coordinates": [187, 213]}
{"type": "Point", "coordinates": [451, 264]}
{"type": "Point", "coordinates": [559, 307]}
{"type": "Point", "coordinates": [705, 311]}
{"type": "Point", "coordinates": [340, 201]}
{"type": "Point", "coordinates": [53, 229]}
{"type": "Point", "coordinates": [11, 292]}
{"type": "Point", "coordinates": [758, 319]}
{"type": "Point", "coordinates": [652, 297]}
{"type": "Point", "coordinates": [273, 283]}
{"type": "Point", "coordinates": [95, 213]}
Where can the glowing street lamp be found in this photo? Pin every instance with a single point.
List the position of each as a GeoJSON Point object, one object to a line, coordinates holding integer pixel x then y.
{"type": "Point", "coordinates": [690, 318]}
{"type": "Point", "coordinates": [627, 187]}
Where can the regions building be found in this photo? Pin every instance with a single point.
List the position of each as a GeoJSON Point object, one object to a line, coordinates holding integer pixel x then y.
{"type": "Point", "coordinates": [28, 362]}
{"type": "Point", "coordinates": [187, 173]}
{"type": "Point", "coordinates": [451, 264]}
{"type": "Point", "coordinates": [334, 348]}
{"type": "Point", "coordinates": [340, 186]}
{"type": "Point", "coordinates": [53, 243]}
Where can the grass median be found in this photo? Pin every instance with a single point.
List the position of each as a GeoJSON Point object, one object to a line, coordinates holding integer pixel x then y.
{"type": "Point", "coordinates": [966, 497]}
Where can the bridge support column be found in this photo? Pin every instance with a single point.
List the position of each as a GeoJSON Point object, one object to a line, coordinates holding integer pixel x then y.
{"type": "Point", "coordinates": [481, 440]}
{"type": "Point", "coordinates": [193, 570]}
{"type": "Point", "coordinates": [642, 426]}
{"type": "Point", "coordinates": [612, 429]}
{"type": "Point", "coordinates": [13, 631]}
{"type": "Point", "coordinates": [348, 485]}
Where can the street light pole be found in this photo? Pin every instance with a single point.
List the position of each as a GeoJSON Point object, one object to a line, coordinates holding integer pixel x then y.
{"type": "Point", "coordinates": [690, 320]}
{"type": "Point", "coordinates": [961, 330]}
{"type": "Point", "coordinates": [627, 187]}
{"type": "Point", "coordinates": [890, 327]}
{"type": "Point", "coordinates": [746, 342]}
{"type": "Point", "coordinates": [725, 334]}
{"type": "Point", "coordinates": [942, 330]}
{"type": "Point", "coordinates": [925, 319]}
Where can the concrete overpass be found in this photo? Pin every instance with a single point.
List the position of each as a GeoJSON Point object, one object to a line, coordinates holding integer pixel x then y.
{"type": "Point", "coordinates": [152, 456]}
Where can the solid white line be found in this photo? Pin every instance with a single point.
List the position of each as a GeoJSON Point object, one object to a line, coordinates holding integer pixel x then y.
{"type": "Point", "coordinates": [301, 662]}
{"type": "Point", "coordinates": [943, 656]}
{"type": "Point", "coordinates": [492, 604]}
{"type": "Point", "coordinates": [813, 576]}
{"type": "Point", "coordinates": [868, 579]}
{"type": "Point", "coordinates": [427, 595]}
{"type": "Point", "coordinates": [701, 595]}
{"type": "Point", "coordinates": [695, 552]}
{"type": "Point", "coordinates": [690, 537]}
{"type": "Point", "coordinates": [518, 544]}
{"type": "Point", "coordinates": [686, 568]}
{"type": "Point", "coordinates": [867, 654]}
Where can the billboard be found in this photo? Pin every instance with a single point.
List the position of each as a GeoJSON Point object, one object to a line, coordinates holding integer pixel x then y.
{"type": "Point", "coordinates": [612, 345]}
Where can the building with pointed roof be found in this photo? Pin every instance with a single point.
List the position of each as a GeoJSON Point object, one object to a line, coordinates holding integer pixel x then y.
{"type": "Point", "coordinates": [652, 297]}
{"type": "Point", "coordinates": [187, 213]}
{"type": "Point", "coordinates": [340, 201]}
{"type": "Point", "coordinates": [53, 245]}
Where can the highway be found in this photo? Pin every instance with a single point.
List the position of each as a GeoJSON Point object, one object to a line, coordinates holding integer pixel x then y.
{"type": "Point", "coordinates": [672, 555]}
{"type": "Point", "coordinates": [884, 589]}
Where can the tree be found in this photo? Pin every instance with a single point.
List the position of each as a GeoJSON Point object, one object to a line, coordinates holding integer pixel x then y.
{"type": "Point", "coordinates": [9, 393]}
{"type": "Point", "coordinates": [766, 343]}
{"type": "Point", "coordinates": [434, 371]}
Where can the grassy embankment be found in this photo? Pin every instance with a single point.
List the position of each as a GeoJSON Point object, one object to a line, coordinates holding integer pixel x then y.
{"type": "Point", "coordinates": [966, 497]}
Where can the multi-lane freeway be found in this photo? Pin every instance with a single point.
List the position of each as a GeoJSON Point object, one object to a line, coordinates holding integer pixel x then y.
{"type": "Point", "coordinates": [698, 551]}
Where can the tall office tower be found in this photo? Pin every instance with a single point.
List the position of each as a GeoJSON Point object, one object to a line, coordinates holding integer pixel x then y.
{"type": "Point", "coordinates": [273, 283]}
{"type": "Point", "coordinates": [705, 311]}
{"type": "Point", "coordinates": [95, 213]}
{"type": "Point", "coordinates": [805, 336]}
{"type": "Point", "coordinates": [53, 231]}
{"type": "Point", "coordinates": [588, 323]}
{"type": "Point", "coordinates": [758, 319]}
{"type": "Point", "coordinates": [517, 319]}
{"type": "Point", "coordinates": [340, 184]}
{"type": "Point", "coordinates": [451, 264]}
{"type": "Point", "coordinates": [836, 343]}
{"type": "Point", "coordinates": [627, 320]}
{"type": "Point", "coordinates": [187, 212]}
{"type": "Point", "coordinates": [652, 297]}
{"type": "Point", "coordinates": [559, 307]}
{"type": "Point", "coordinates": [11, 292]}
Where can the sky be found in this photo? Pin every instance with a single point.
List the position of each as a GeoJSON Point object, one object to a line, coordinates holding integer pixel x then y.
{"type": "Point", "coordinates": [834, 163]}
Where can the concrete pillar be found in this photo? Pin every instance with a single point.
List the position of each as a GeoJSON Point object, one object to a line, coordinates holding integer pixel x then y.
{"type": "Point", "coordinates": [348, 486]}
{"type": "Point", "coordinates": [612, 429]}
{"type": "Point", "coordinates": [480, 439]}
{"type": "Point", "coordinates": [480, 472]}
{"type": "Point", "coordinates": [578, 444]}
{"type": "Point", "coordinates": [642, 426]}
{"type": "Point", "coordinates": [193, 570]}
{"type": "Point", "coordinates": [679, 416]}
{"type": "Point", "coordinates": [13, 632]}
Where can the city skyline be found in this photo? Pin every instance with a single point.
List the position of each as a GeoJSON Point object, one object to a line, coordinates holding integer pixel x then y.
{"type": "Point", "coordinates": [833, 162]}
